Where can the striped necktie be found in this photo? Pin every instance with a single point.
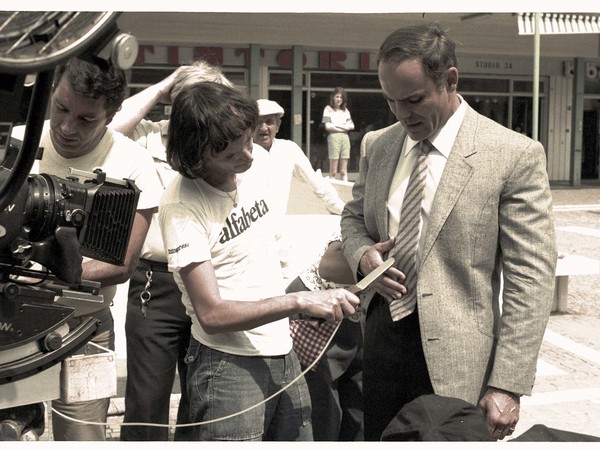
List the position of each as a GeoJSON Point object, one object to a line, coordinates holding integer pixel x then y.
{"type": "Point", "coordinates": [407, 240]}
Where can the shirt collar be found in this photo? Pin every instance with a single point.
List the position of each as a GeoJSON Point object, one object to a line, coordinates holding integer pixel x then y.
{"type": "Point", "coordinates": [445, 137]}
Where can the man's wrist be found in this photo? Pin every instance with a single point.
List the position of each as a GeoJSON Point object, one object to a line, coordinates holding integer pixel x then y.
{"type": "Point", "coordinates": [512, 394]}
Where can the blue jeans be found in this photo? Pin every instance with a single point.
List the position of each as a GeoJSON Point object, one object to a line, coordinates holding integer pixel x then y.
{"type": "Point", "coordinates": [221, 384]}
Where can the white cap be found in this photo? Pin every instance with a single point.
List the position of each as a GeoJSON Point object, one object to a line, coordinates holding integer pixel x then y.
{"type": "Point", "coordinates": [268, 107]}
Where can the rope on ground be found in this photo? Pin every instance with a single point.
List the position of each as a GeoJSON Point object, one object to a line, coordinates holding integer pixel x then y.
{"type": "Point", "coordinates": [161, 425]}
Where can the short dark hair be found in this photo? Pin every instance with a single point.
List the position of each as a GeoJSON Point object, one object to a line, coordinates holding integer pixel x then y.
{"type": "Point", "coordinates": [94, 81]}
{"type": "Point", "coordinates": [427, 43]}
{"type": "Point", "coordinates": [205, 118]}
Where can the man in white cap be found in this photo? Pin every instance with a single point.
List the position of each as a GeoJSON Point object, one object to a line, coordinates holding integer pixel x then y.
{"type": "Point", "coordinates": [288, 159]}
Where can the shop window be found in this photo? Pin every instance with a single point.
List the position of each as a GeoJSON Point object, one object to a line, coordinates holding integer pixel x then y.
{"type": "Point", "coordinates": [483, 85]}
{"type": "Point", "coordinates": [346, 80]}
{"type": "Point", "coordinates": [523, 86]}
{"type": "Point", "coordinates": [280, 79]}
{"type": "Point", "coordinates": [494, 107]}
{"type": "Point", "coordinates": [592, 86]}
{"type": "Point", "coordinates": [369, 112]}
{"type": "Point", "coordinates": [522, 115]}
{"type": "Point", "coordinates": [283, 79]}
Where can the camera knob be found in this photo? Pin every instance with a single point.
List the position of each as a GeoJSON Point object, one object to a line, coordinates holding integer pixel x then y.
{"type": "Point", "coordinates": [52, 341]}
{"type": "Point", "coordinates": [11, 291]}
{"type": "Point", "coordinates": [77, 217]}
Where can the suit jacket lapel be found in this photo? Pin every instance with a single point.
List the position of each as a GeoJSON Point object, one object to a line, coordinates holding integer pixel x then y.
{"type": "Point", "coordinates": [385, 170]}
{"type": "Point", "coordinates": [456, 174]}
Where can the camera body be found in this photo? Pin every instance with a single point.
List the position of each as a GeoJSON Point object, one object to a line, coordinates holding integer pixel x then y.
{"type": "Point", "coordinates": [45, 231]}
{"type": "Point", "coordinates": [36, 224]}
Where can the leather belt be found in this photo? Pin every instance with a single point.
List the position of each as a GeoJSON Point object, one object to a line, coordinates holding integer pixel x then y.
{"type": "Point", "coordinates": [154, 266]}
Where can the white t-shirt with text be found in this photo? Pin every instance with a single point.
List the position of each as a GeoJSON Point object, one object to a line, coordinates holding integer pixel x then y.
{"type": "Point", "coordinates": [199, 223]}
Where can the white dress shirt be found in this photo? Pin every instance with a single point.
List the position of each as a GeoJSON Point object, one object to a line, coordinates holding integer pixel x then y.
{"type": "Point", "coordinates": [436, 161]}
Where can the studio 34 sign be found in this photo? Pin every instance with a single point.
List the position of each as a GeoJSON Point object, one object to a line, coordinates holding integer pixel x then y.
{"type": "Point", "coordinates": [495, 65]}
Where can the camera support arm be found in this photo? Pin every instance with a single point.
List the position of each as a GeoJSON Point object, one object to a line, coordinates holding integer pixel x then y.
{"type": "Point", "coordinates": [12, 178]}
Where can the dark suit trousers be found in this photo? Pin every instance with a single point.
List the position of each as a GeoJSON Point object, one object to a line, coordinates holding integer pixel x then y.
{"type": "Point", "coordinates": [156, 347]}
{"type": "Point", "coordinates": [336, 388]}
{"type": "Point", "coordinates": [394, 368]}
{"type": "Point", "coordinates": [336, 385]}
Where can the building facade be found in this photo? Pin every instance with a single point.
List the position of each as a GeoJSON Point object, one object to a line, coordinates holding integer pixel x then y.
{"type": "Point", "coordinates": [297, 60]}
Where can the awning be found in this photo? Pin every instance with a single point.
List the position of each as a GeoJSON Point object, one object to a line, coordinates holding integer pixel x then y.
{"type": "Point", "coordinates": [553, 23]}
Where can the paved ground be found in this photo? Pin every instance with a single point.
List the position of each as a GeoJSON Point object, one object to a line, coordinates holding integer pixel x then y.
{"type": "Point", "coordinates": [566, 394]}
{"type": "Point", "coordinates": [567, 390]}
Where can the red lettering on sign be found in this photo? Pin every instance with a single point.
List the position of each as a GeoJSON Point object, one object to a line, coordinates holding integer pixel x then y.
{"type": "Point", "coordinates": [246, 53]}
{"type": "Point", "coordinates": [141, 56]}
{"type": "Point", "coordinates": [212, 55]}
{"type": "Point", "coordinates": [365, 61]}
{"type": "Point", "coordinates": [173, 55]}
{"type": "Point", "coordinates": [332, 60]}
{"type": "Point", "coordinates": [285, 59]}
{"type": "Point", "coordinates": [324, 60]}
{"type": "Point", "coordinates": [337, 59]}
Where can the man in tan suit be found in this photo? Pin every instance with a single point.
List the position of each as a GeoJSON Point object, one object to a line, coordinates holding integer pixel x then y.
{"type": "Point", "coordinates": [485, 217]}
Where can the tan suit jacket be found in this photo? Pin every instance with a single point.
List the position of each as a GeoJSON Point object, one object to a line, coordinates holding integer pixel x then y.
{"type": "Point", "coordinates": [491, 216]}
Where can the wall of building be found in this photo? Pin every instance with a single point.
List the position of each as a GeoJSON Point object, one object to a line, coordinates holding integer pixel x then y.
{"type": "Point", "coordinates": [559, 128]}
{"type": "Point", "coordinates": [487, 34]}
{"type": "Point", "coordinates": [490, 46]}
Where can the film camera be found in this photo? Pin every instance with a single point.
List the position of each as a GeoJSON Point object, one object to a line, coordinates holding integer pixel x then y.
{"type": "Point", "coordinates": [48, 224]}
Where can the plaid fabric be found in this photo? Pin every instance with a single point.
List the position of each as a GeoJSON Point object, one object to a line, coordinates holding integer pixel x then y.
{"type": "Point", "coordinates": [310, 339]}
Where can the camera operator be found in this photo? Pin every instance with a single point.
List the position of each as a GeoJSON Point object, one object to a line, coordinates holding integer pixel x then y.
{"type": "Point", "coordinates": [85, 97]}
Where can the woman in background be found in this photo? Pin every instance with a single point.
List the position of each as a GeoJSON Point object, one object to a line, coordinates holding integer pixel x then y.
{"type": "Point", "coordinates": [338, 122]}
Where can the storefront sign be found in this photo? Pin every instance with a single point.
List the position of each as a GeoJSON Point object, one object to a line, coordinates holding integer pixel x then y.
{"type": "Point", "coordinates": [240, 57]}
{"type": "Point", "coordinates": [330, 60]}
{"type": "Point", "coordinates": [495, 65]}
